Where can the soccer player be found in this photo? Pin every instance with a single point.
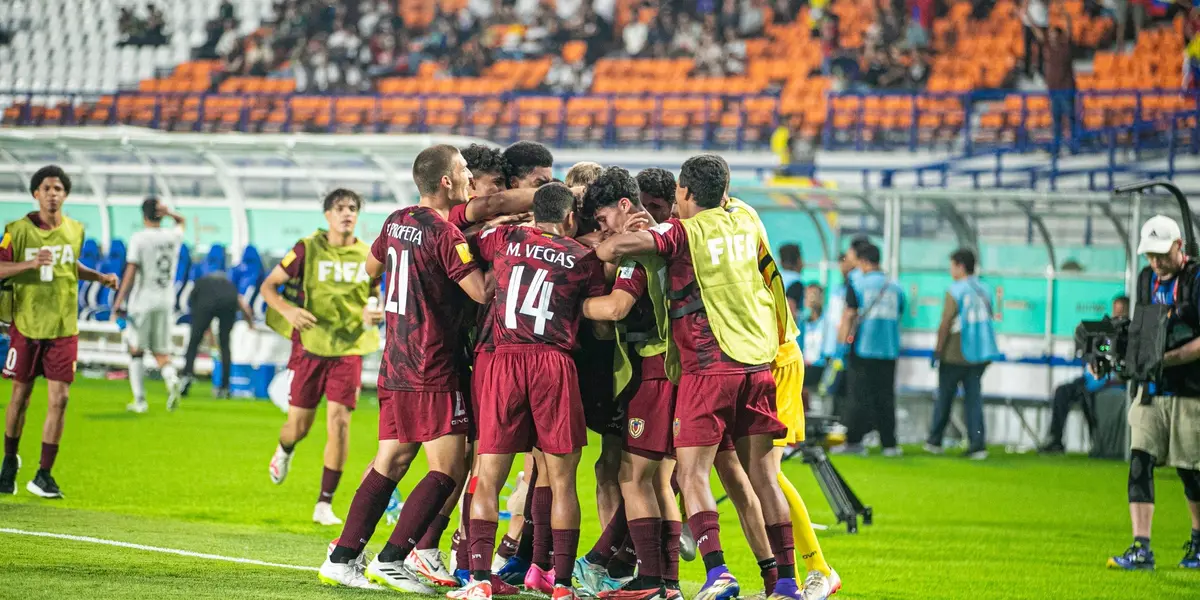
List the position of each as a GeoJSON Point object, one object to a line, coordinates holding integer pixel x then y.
{"type": "Point", "coordinates": [150, 274]}
{"type": "Point", "coordinates": [427, 262]}
{"type": "Point", "coordinates": [331, 328]}
{"type": "Point", "coordinates": [723, 318]}
{"type": "Point", "coordinates": [530, 394]}
{"type": "Point", "coordinates": [38, 259]}
{"type": "Point", "coordinates": [649, 509]}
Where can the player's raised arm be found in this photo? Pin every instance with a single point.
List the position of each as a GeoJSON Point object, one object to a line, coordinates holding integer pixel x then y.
{"type": "Point", "coordinates": [507, 202]}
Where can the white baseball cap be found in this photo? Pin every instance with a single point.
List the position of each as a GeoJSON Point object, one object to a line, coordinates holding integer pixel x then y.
{"type": "Point", "coordinates": [1158, 234]}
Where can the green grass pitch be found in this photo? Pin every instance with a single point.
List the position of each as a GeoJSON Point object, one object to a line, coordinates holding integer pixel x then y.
{"type": "Point", "coordinates": [196, 480]}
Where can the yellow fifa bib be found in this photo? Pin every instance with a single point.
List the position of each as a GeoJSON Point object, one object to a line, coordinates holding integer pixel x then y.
{"type": "Point", "coordinates": [43, 310]}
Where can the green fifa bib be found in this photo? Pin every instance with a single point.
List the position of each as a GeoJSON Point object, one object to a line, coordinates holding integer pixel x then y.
{"type": "Point", "coordinates": [336, 288]}
{"type": "Point", "coordinates": [724, 245]}
{"type": "Point", "coordinates": [43, 310]}
{"type": "Point", "coordinates": [770, 271]}
{"type": "Point", "coordinates": [651, 343]}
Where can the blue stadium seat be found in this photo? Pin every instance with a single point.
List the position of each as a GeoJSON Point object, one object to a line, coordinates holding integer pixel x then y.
{"type": "Point", "coordinates": [89, 256]}
{"type": "Point", "coordinates": [213, 262]}
{"type": "Point", "coordinates": [248, 276]}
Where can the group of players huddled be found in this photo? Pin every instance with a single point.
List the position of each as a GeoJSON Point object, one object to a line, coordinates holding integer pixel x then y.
{"type": "Point", "coordinates": [687, 361]}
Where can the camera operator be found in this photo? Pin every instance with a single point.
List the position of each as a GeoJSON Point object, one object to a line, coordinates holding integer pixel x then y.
{"type": "Point", "coordinates": [1165, 430]}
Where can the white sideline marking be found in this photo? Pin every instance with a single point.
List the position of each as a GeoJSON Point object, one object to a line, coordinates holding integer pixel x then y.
{"type": "Point", "coordinates": [188, 553]}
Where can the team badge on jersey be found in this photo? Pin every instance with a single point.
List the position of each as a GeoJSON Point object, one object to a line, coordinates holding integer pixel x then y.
{"type": "Point", "coordinates": [464, 253]}
{"type": "Point", "coordinates": [675, 427]}
{"type": "Point", "coordinates": [636, 428]}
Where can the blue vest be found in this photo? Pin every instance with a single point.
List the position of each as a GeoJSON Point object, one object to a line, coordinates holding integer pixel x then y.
{"type": "Point", "coordinates": [831, 320]}
{"type": "Point", "coordinates": [974, 320]}
{"type": "Point", "coordinates": [880, 304]}
{"type": "Point", "coordinates": [812, 338]}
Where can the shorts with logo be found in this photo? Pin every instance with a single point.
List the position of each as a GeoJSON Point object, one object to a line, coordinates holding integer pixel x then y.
{"type": "Point", "coordinates": [338, 378]}
{"type": "Point", "coordinates": [149, 330]}
{"type": "Point", "coordinates": [529, 398]}
{"type": "Point", "coordinates": [416, 417]}
{"type": "Point", "coordinates": [789, 400]}
{"type": "Point", "coordinates": [53, 359]}
{"type": "Point", "coordinates": [711, 407]}
{"type": "Point", "coordinates": [651, 410]}
{"type": "Point", "coordinates": [1169, 429]}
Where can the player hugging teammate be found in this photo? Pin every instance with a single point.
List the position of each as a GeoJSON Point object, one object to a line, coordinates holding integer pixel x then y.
{"type": "Point", "coordinates": [703, 345]}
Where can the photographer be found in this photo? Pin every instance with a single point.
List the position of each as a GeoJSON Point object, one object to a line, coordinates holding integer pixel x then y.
{"type": "Point", "coordinates": [1165, 427]}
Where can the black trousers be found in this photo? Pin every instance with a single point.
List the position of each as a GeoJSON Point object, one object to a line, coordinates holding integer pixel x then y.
{"type": "Point", "coordinates": [202, 318]}
{"type": "Point", "coordinates": [871, 400]}
{"type": "Point", "coordinates": [1065, 397]}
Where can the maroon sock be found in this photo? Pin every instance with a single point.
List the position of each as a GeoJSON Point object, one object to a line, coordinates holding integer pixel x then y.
{"type": "Point", "coordinates": [610, 540]}
{"type": "Point", "coordinates": [706, 529]}
{"type": "Point", "coordinates": [770, 577]}
{"type": "Point", "coordinates": [671, 530]}
{"type": "Point", "coordinates": [49, 453]}
{"type": "Point", "coordinates": [463, 556]}
{"type": "Point", "coordinates": [455, 546]}
{"type": "Point", "coordinates": [329, 483]}
{"type": "Point", "coordinates": [433, 535]}
{"type": "Point", "coordinates": [543, 536]}
{"type": "Point", "coordinates": [566, 545]}
{"type": "Point", "coordinates": [368, 505]}
{"type": "Point", "coordinates": [525, 549]}
{"type": "Point", "coordinates": [783, 546]}
{"type": "Point", "coordinates": [482, 542]}
{"type": "Point", "coordinates": [10, 445]}
{"type": "Point", "coordinates": [420, 508]}
{"type": "Point", "coordinates": [647, 539]}
{"type": "Point", "coordinates": [508, 547]}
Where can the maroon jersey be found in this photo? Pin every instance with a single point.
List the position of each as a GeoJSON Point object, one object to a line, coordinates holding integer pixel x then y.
{"type": "Point", "coordinates": [541, 282]}
{"type": "Point", "coordinates": [425, 257]}
{"type": "Point", "coordinates": [631, 279]}
{"type": "Point", "coordinates": [698, 349]}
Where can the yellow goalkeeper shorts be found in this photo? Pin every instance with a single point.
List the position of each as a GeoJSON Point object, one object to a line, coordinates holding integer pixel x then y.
{"type": "Point", "coordinates": [789, 383]}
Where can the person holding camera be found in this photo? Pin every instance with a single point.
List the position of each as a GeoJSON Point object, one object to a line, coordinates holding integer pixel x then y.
{"type": "Point", "coordinates": [1165, 418]}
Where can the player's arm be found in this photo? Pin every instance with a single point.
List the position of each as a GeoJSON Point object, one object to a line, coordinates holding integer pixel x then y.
{"type": "Point", "coordinates": [610, 307]}
{"type": "Point", "coordinates": [507, 202]}
{"type": "Point", "coordinates": [247, 312]}
{"type": "Point", "coordinates": [131, 269]}
{"type": "Point", "coordinates": [180, 220]}
{"type": "Point", "coordinates": [626, 244]}
{"type": "Point", "coordinates": [298, 317]}
{"type": "Point", "coordinates": [849, 315]}
{"type": "Point", "coordinates": [8, 268]}
{"type": "Point", "coordinates": [478, 287]}
{"type": "Point", "coordinates": [108, 280]}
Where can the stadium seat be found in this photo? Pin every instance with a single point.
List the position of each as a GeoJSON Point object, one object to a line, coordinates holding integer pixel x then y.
{"type": "Point", "coordinates": [214, 261]}
{"type": "Point", "coordinates": [248, 275]}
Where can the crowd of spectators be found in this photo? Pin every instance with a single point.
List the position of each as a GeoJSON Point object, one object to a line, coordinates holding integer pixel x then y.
{"type": "Point", "coordinates": [136, 30]}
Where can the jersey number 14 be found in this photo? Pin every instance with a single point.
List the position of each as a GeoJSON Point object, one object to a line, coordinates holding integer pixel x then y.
{"type": "Point", "coordinates": [536, 303]}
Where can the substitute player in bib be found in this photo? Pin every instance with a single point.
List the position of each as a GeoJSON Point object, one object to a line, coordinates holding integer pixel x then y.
{"type": "Point", "coordinates": [40, 299]}
{"type": "Point", "coordinates": [530, 389]}
{"type": "Point", "coordinates": [331, 329]}
{"type": "Point", "coordinates": [149, 283]}
{"type": "Point", "coordinates": [723, 324]}
{"type": "Point", "coordinates": [428, 268]}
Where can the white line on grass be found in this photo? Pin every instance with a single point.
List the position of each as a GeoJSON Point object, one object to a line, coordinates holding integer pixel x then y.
{"type": "Point", "coordinates": [188, 553]}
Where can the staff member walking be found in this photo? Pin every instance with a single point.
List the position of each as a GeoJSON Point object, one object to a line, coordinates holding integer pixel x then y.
{"type": "Point", "coordinates": [214, 297]}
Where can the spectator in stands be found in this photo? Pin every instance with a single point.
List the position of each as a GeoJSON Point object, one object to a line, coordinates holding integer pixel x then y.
{"type": "Point", "coordinates": [1059, 71]}
{"type": "Point", "coordinates": [1035, 20]}
{"type": "Point", "coordinates": [635, 35]}
{"type": "Point", "coordinates": [1080, 390]}
{"type": "Point", "coordinates": [136, 31]}
{"type": "Point", "coordinates": [966, 345]}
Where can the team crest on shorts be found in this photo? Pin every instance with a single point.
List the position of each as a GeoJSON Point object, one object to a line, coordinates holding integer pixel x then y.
{"type": "Point", "coordinates": [636, 428]}
{"type": "Point", "coordinates": [675, 427]}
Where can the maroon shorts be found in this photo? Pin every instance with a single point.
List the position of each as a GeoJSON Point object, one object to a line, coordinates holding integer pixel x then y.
{"type": "Point", "coordinates": [651, 410]}
{"type": "Point", "coordinates": [53, 359]}
{"type": "Point", "coordinates": [482, 360]}
{"type": "Point", "coordinates": [711, 407]}
{"type": "Point", "coordinates": [529, 397]}
{"type": "Point", "coordinates": [337, 378]}
{"type": "Point", "coordinates": [419, 417]}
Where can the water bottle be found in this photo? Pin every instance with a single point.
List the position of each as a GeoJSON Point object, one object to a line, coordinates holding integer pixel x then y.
{"type": "Point", "coordinates": [372, 306]}
{"type": "Point", "coordinates": [395, 504]}
{"type": "Point", "coordinates": [47, 272]}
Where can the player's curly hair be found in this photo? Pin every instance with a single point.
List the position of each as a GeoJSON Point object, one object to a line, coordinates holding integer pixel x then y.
{"type": "Point", "coordinates": [485, 159]}
{"type": "Point", "coordinates": [613, 184]}
{"type": "Point", "coordinates": [523, 157]}
{"type": "Point", "coordinates": [706, 177]}
{"type": "Point", "coordinates": [47, 172]}
{"type": "Point", "coordinates": [657, 182]}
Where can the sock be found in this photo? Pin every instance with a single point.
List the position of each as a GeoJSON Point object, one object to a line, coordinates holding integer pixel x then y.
{"type": "Point", "coordinates": [543, 535]}
{"type": "Point", "coordinates": [770, 574]}
{"type": "Point", "coordinates": [1141, 541]}
{"type": "Point", "coordinates": [783, 547]}
{"type": "Point", "coordinates": [287, 448]}
{"type": "Point", "coordinates": [713, 560]}
{"type": "Point", "coordinates": [805, 538]}
{"type": "Point", "coordinates": [1196, 537]}
{"type": "Point", "coordinates": [137, 378]}
{"type": "Point", "coordinates": [647, 538]}
{"type": "Point", "coordinates": [457, 544]}
{"type": "Point", "coordinates": [525, 549]}
{"type": "Point", "coordinates": [10, 445]}
{"type": "Point", "coordinates": [49, 453]}
{"type": "Point", "coordinates": [368, 505]}
{"type": "Point", "coordinates": [418, 513]}
{"type": "Point", "coordinates": [169, 374]}
{"type": "Point", "coordinates": [670, 545]}
{"type": "Point", "coordinates": [621, 564]}
{"type": "Point", "coordinates": [329, 483]}
{"type": "Point", "coordinates": [611, 539]}
{"type": "Point", "coordinates": [566, 547]}
{"type": "Point", "coordinates": [508, 547]}
{"type": "Point", "coordinates": [482, 542]}
{"type": "Point", "coordinates": [706, 529]}
{"type": "Point", "coordinates": [433, 535]}
{"type": "Point", "coordinates": [464, 549]}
